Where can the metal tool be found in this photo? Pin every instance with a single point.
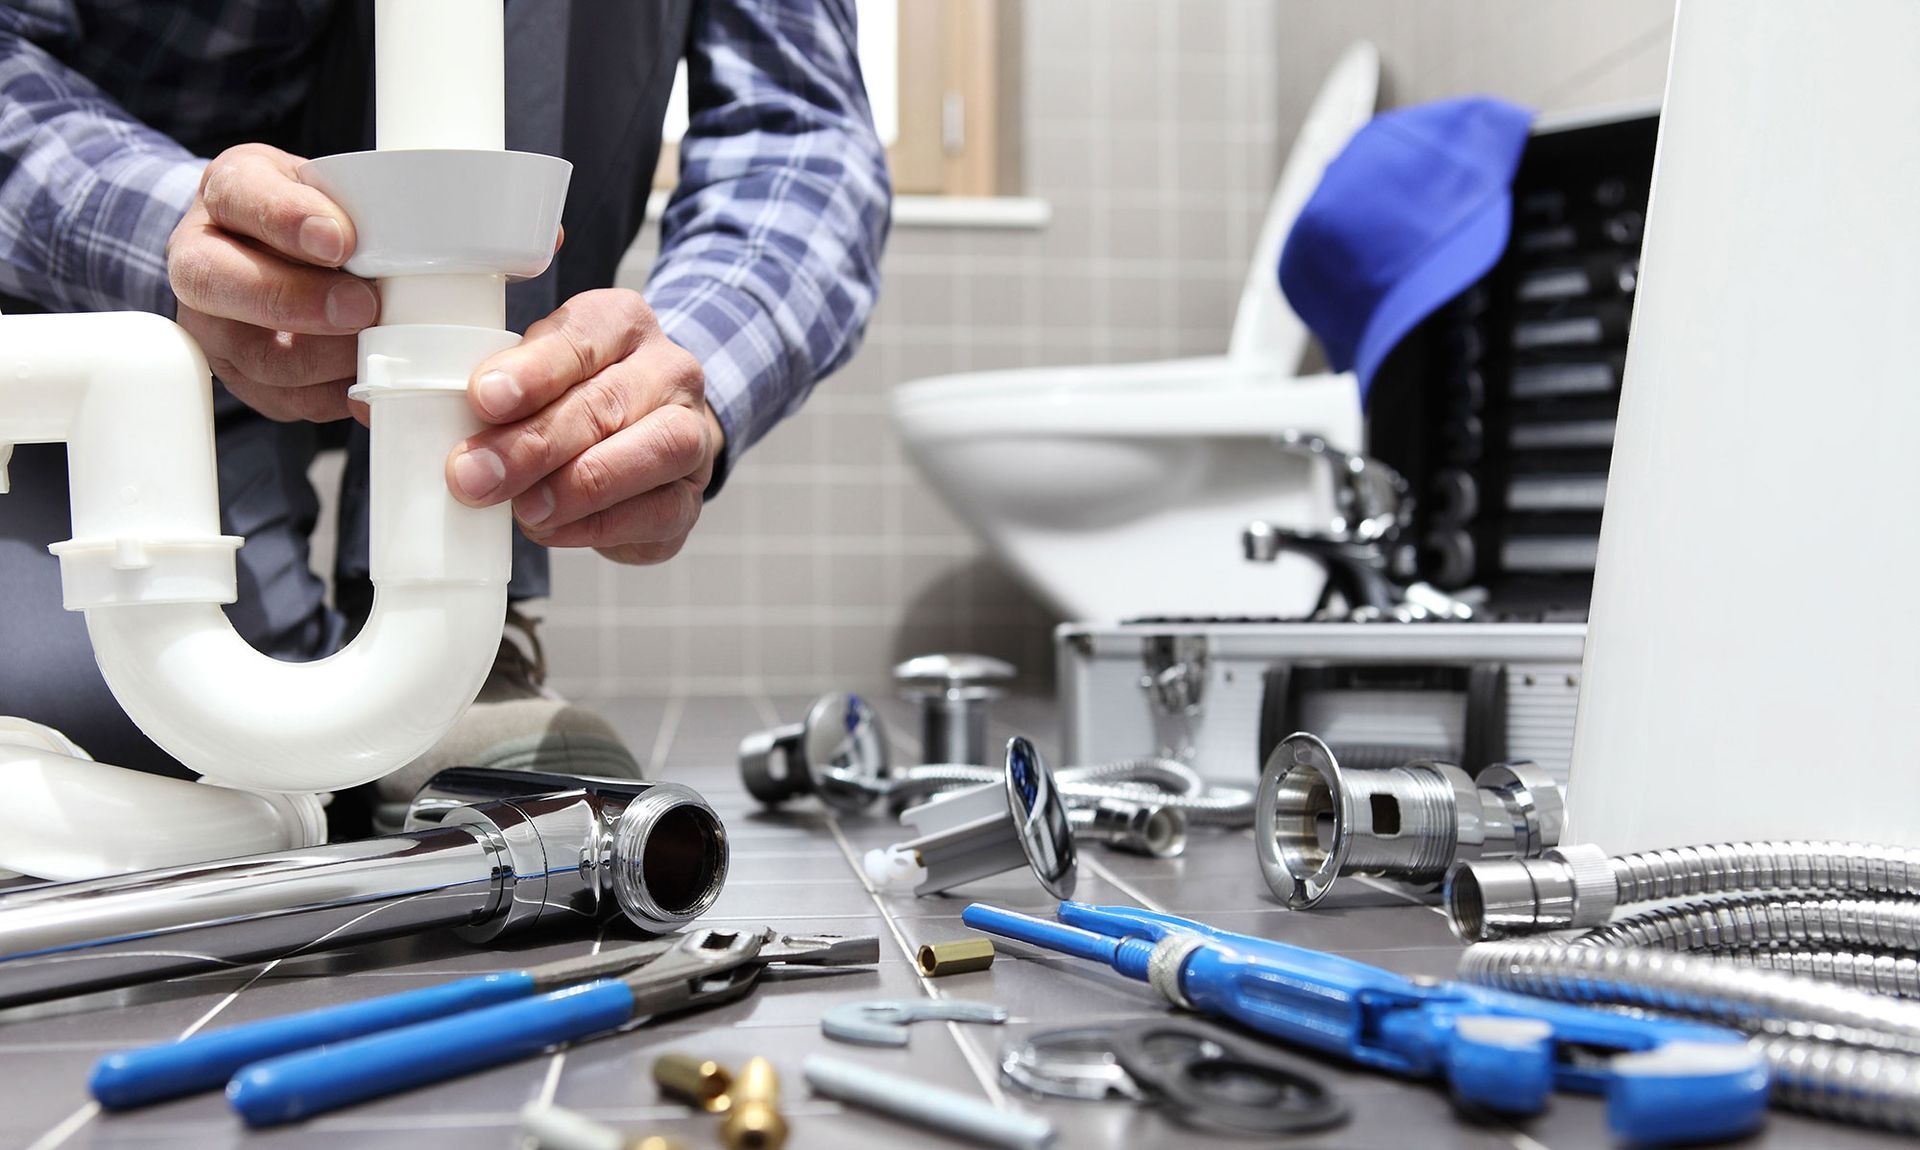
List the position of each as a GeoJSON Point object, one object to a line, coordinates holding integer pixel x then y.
{"type": "Point", "coordinates": [700, 969]}
{"type": "Point", "coordinates": [698, 1082]}
{"type": "Point", "coordinates": [582, 851]}
{"type": "Point", "coordinates": [910, 1100]}
{"type": "Point", "coordinates": [1505, 1052]}
{"type": "Point", "coordinates": [1142, 828]}
{"type": "Point", "coordinates": [557, 1128]}
{"type": "Point", "coordinates": [954, 693]}
{"type": "Point", "coordinates": [754, 1121]}
{"type": "Point", "coordinates": [885, 1023]}
{"type": "Point", "coordinates": [839, 752]}
{"type": "Point", "coordinates": [972, 834]}
{"type": "Point", "coordinates": [209, 1059]}
{"type": "Point", "coordinates": [1409, 822]}
{"type": "Point", "coordinates": [957, 956]}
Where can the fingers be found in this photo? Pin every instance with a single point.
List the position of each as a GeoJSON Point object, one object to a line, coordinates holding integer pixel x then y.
{"type": "Point", "coordinates": [648, 528]}
{"type": "Point", "coordinates": [583, 337]}
{"type": "Point", "coordinates": [255, 191]}
{"type": "Point", "coordinates": [275, 358]}
{"type": "Point", "coordinates": [217, 273]}
{"type": "Point", "coordinates": [316, 403]}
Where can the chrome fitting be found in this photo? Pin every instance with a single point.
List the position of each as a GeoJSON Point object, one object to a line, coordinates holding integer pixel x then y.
{"type": "Point", "coordinates": [1141, 828]}
{"type": "Point", "coordinates": [1314, 822]}
{"type": "Point", "coordinates": [983, 831]}
{"type": "Point", "coordinates": [839, 752]}
{"type": "Point", "coordinates": [1568, 887]}
{"type": "Point", "coordinates": [954, 693]}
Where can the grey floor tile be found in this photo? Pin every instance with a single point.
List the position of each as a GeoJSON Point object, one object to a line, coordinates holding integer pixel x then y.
{"type": "Point", "coordinates": [790, 871]}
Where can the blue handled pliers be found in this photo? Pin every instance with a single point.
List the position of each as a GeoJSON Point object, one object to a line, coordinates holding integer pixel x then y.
{"type": "Point", "coordinates": [284, 1069]}
{"type": "Point", "coordinates": [1665, 1082]}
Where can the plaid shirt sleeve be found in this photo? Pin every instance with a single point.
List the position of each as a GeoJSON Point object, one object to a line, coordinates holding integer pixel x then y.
{"type": "Point", "coordinates": [770, 246]}
{"type": "Point", "coordinates": [88, 194]}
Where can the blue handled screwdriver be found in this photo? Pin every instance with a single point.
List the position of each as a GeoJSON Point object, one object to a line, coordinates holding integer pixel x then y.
{"type": "Point", "coordinates": [205, 1061]}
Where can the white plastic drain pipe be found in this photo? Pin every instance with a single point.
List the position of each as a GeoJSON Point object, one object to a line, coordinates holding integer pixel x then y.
{"type": "Point", "coordinates": [129, 394]}
{"type": "Point", "coordinates": [69, 817]}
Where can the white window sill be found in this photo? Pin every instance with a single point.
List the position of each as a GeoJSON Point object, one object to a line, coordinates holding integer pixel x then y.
{"type": "Point", "coordinates": [991, 213]}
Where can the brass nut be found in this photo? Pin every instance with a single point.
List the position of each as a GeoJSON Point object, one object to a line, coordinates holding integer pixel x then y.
{"type": "Point", "coordinates": [755, 1121]}
{"type": "Point", "coordinates": [698, 1082]}
{"type": "Point", "coordinates": [958, 956]}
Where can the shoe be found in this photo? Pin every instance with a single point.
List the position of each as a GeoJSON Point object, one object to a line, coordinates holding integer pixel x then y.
{"type": "Point", "coordinates": [516, 723]}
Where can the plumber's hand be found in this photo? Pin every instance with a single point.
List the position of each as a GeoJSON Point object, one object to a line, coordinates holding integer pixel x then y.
{"type": "Point", "coordinates": [602, 436]}
{"type": "Point", "coordinates": [253, 264]}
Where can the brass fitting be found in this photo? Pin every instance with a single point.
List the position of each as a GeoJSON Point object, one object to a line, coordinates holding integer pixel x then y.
{"type": "Point", "coordinates": [958, 956]}
{"type": "Point", "coordinates": [698, 1082]}
{"type": "Point", "coordinates": [755, 1121]}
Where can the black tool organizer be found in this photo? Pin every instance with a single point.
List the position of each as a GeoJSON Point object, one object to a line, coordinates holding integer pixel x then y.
{"type": "Point", "coordinates": [1499, 409]}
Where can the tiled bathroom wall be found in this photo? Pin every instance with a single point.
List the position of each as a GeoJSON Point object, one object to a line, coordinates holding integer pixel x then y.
{"type": "Point", "coordinates": [1154, 130]}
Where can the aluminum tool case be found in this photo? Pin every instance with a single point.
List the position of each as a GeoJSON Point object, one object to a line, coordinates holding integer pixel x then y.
{"type": "Point", "coordinates": [1220, 694]}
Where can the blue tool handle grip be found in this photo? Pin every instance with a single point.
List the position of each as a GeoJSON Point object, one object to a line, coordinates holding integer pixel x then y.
{"type": "Point", "coordinates": [205, 1061]}
{"type": "Point", "coordinates": [297, 1086]}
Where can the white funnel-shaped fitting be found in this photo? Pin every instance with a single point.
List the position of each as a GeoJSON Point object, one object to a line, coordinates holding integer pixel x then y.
{"type": "Point", "coordinates": [68, 817]}
{"type": "Point", "coordinates": [130, 396]}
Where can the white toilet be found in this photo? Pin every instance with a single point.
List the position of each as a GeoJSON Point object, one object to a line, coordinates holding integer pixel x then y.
{"type": "Point", "coordinates": [1121, 491]}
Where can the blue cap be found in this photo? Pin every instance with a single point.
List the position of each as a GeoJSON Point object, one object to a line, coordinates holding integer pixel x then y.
{"type": "Point", "coordinates": [1414, 210]}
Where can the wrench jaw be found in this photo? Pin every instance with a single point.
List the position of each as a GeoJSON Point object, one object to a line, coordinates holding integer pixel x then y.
{"type": "Point", "coordinates": [885, 1023]}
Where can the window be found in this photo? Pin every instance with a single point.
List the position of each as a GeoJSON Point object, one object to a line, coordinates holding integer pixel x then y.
{"type": "Point", "coordinates": [942, 76]}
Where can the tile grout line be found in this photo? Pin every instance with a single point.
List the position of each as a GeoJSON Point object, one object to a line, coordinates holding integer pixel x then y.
{"type": "Point", "coordinates": [976, 1061]}
{"type": "Point", "coordinates": [1100, 870]}
{"type": "Point", "coordinates": [72, 1124]}
{"type": "Point", "coordinates": [663, 739]}
{"type": "Point", "coordinates": [1398, 893]}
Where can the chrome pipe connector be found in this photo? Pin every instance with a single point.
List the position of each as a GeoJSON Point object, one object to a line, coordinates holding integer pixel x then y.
{"type": "Point", "coordinates": [1140, 828]}
{"type": "Point", "coordinates": [1018, 822]}
{"type": "Point", "coordinates": [954, 694]}
{"type": "Point", "coordinates": [1569, 887]}
{"type": "Point", "coordinates": [586, 853]}
{"type": "Point", "coordinates": [1314, 822]}
{"type": "Point", "coordinates": [839, 752]}
{"type": "Point", "coordinates": [1579, 886]}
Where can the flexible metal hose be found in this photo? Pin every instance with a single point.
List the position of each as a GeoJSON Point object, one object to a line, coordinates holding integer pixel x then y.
{"type": "Point", "coordinates": [1754, 923]}
{"type": "Point", "coordinates": [1870, 1087]}
{"type": "Point", "coordinates": [1897, 975]}
{"type": "Point", "coordinates": [1158, 781]}
{"type": "Point", "coordinates": [1726, 992]}
{"type": "Point", "coordinates": [1686, 872]}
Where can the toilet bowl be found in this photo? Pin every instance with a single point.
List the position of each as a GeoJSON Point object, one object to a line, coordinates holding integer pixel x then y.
{"type": "Point", "coordinates": [1121, 491]}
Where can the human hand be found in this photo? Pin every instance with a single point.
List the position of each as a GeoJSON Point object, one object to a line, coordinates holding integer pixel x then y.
{"type": "Point", "coordinates": [601, 433]}
{"type": "Point", "coordinates": [253, 264]}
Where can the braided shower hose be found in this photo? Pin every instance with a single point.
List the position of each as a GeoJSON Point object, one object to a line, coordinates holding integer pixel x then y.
{"type": "Point", "coordinates": [1772, 955]}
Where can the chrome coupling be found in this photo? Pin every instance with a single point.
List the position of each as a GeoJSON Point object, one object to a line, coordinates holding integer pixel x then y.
{"type": "Point", "coordinates": [839, 752]}
{"type": "Point", "coordinates": [1135, 827]}
{"type": "Point", "coordinates": [1566, 888]}
{"type": "Point", "coordinates": [954, 694]}
{"type": "Point", "coordinates": [1020, 821]}
{"type": "Point", "coordinates": [1314, 821]}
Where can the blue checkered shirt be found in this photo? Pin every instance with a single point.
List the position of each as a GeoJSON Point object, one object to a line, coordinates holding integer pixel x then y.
{"type": "Point", "coordinates": [769, 249]}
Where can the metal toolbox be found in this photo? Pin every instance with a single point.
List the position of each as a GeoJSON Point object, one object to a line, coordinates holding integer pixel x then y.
{"type": "Point", "coordinates": [1220, 694]}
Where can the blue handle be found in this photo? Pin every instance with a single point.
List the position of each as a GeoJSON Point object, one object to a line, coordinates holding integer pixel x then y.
{"type": "Point", "coordinates": [296, 1086]}
{"type": "Point", "coordinates": [206, 1061]}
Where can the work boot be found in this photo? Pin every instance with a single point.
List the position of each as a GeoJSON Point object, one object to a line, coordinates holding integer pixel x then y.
{"type": "Point", "coordinates": [515, 723]}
